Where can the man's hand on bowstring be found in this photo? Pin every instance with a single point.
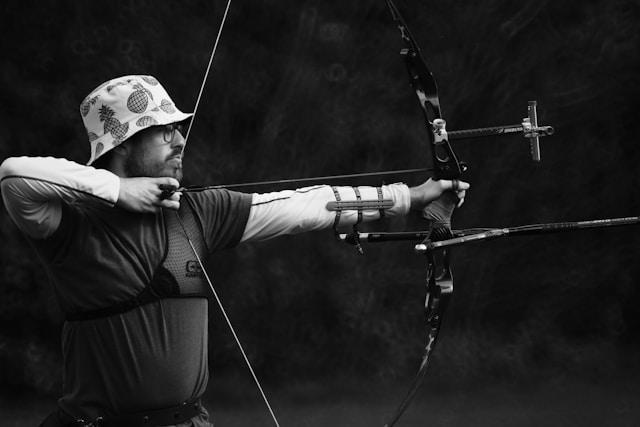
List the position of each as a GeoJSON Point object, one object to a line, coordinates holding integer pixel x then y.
{"type": "Point", "coordinates": [146, 195]}
{"type": "Point", "coordinates": [438, 199]}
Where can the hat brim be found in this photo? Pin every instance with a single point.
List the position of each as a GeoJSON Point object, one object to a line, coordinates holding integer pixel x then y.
{"type": "Point", "coordinates": [110, 140]}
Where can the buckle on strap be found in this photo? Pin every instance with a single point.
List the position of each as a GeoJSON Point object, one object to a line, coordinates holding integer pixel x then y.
{"type": "Point", "coordinates": [380, 199]}
{"type": "Point", "coordinates": [336, 221]}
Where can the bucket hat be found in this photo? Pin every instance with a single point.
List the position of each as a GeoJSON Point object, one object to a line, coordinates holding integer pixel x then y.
{"type": "Point", "coordinates": [122, 107]}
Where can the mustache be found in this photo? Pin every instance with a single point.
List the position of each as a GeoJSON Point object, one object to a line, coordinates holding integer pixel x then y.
{"type": "Point", "coordinates": [176, 152]}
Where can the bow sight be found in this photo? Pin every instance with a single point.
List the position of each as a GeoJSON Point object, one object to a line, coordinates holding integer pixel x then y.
{"type": "Point", "coordinates": [529, 128]}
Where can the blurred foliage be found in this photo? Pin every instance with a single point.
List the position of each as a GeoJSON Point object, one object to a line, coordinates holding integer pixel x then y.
{"type": "Point", "coordinates": [308, 88]}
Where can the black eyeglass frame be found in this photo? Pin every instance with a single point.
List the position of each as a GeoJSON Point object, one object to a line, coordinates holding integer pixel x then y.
{"type": "Point", "coordinates": [169, 131]}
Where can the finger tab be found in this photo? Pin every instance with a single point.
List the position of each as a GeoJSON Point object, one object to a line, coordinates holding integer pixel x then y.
{"type": "Point", "coordinates": [167, 190]}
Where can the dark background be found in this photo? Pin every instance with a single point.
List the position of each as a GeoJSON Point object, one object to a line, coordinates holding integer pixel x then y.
{"type": "Point", "coordinates": [541, 330]}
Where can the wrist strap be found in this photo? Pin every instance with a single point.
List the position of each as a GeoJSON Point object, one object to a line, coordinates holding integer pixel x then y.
{"type": "Point", "coordinates": [359, 200]}
{"type": "Point", "coordinates": [336, 222]}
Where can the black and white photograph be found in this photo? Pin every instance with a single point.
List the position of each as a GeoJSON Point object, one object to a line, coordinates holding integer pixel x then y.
{"type": "Point", "coordinates": [408, 213]}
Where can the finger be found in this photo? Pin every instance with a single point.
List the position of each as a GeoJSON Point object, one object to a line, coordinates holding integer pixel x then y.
{"type": "Point", "coordinates": [166, 191]}
{"type": "Point", "coordinates": [167, 180]}
{"type": "Point", "coordinates": [167, 186]}
{"type": "Point", "coordinates": [461, 195]}
{"type": "Point", "coordinates": [456, 185]}
{"type": "Point", "coordinates": [169, 204]}
{"type": "Point", "coordinates": [175, 196]}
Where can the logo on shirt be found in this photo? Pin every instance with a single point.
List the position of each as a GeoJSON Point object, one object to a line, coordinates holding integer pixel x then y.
{"type": "Point", "coordinates": [193, 269]}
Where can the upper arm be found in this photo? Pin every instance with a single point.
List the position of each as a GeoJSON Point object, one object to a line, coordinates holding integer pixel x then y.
{"type": "Point", "coordinates": [35, 215]}
{"type": "Point", "coordinates": [222, 214]}
{"type": "Point", "coordinates": [34, 188]}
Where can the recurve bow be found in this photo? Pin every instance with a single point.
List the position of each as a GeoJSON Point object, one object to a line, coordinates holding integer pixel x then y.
{"type": "Point", "coordinates": [439, 282]}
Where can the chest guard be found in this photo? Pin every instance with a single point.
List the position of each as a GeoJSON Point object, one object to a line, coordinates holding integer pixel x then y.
{"type": "Point", "coordinates": [179, 275]}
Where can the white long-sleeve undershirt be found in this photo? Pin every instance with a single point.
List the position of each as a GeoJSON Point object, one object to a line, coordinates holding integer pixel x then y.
{"type": "Point", "coordinates": [33, 189]}
{"type": "Point", "coordinates": [304, 209]}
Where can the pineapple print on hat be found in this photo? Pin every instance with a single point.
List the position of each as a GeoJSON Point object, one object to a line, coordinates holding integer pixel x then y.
{"type": "Point", "coordinates": [111, 124]}
{"type": "Point", "coordinates": [150, 80]}
{"type": "Point", "coordinates": [167, 106]}
{"type": "Point", "coordinates": [138, 101]}
{"type": "Point", "coordinates": [146, 121]}
{"type": "Point", "coordinates": [86, 104]}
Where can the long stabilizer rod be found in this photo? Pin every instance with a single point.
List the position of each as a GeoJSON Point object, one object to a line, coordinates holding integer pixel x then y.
{"type": "Point", "coordinates": [475, 235]}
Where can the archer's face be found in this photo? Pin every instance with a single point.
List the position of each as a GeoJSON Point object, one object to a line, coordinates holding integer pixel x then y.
{"type": "Point", "coordinates": [156, 153]}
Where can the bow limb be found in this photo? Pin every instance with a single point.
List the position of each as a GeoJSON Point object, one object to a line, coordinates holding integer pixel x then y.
{"type": "Point", "coordinates": [439, 289]}
{"type": "Point", "coordinates": [445, 162]}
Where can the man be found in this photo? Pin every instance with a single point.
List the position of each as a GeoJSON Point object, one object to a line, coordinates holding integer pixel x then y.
{"type": "Point", "coordinates": [118, 251]}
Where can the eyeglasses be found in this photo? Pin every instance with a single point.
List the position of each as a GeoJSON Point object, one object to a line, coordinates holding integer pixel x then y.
{"type": "Point", "coordinates": [169, 131]}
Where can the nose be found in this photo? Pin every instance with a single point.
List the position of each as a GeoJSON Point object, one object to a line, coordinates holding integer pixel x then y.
{"type": "Point", "coordinates": [178, 141]}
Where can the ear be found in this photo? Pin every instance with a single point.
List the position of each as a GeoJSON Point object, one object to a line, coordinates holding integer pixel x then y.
{"type": "Point", "coordinates": [122, 150]}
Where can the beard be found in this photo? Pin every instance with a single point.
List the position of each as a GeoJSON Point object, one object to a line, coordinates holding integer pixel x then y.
{"type": "Point", "coordinates": [140, 165]}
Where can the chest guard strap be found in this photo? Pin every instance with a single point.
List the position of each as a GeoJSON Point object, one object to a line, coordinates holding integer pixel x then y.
{"type": "Point", "coordinates": [177, 276]}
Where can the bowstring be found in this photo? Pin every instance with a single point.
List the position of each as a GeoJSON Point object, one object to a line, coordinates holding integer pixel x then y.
{"type": "Point", "coordinates": [215, 294]}
{"type": "Point", "coordinates": [206, 73]}
{"type": "Point", "coordinates": [228, 320]}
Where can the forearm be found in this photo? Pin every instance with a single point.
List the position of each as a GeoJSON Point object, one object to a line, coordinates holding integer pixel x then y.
{"type": "Point", "coordinates": [305, 209]}
{"type": "Point", "coordinates": [33, 188]}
